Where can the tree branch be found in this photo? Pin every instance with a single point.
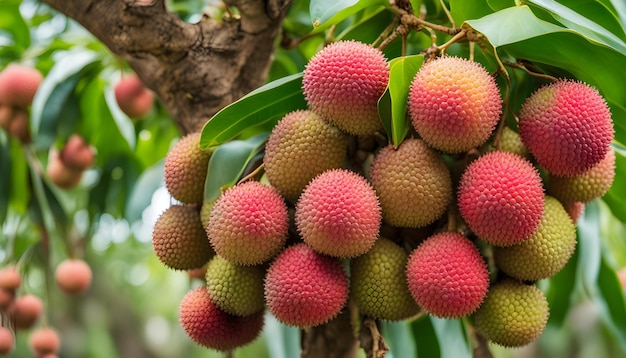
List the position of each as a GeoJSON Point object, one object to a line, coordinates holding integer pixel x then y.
{"type": "Point", "coordinates": [195, 69]}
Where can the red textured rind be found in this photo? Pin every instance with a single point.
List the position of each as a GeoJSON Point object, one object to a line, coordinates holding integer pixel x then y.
{"type": "Point", "coordinates": [211, 327]}
{"type": "Point", "coordinates": [338, 214]}
{"type": "Point", "coordinates": [447, 276]}
{"type": "Point", "coordinates": [500, 197]}
{"type": "Point", "coordinates": [18, 85]}
{"type": "Point", "coordinates": [567, 127]}
{"type": "Point", "coordinates": [185, 169]}
{"type": "Point", "coordinates": [304, 288]}
{"type": "Point", "coordinates": [343, 82]}
{"type": "Point", "coordinates": [133, 97]}
{"type": "Point", "coordinates": [73, 276]}
{"type": "Point", "coordinates": [454, 104]}
{"type": "Point", "coordinates": [44, 340]}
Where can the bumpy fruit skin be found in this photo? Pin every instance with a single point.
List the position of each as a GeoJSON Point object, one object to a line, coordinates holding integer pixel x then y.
{"type": "Point", "coordinates": [343, 82]}
{"type": "Point", "coordinates": [179, 240]}
{"type": "Point", "coordinates": [133, 97]}
{"type": "Point", "coordinates": [249, 223]}
{"type": "Point", "coordinates": [513, 314]}
{"type": "Point", "coordinates": [73, 276]}
{"type": "Point", "coordinates": [575, 210]}
{"type": "Point", "coordinates": [60, 174]}
{"type": "Point", "coordinates": [185, 169]}
{"type": "Point", "coordinates": [378, 285]}
{"type": "Point", "coordinates": [447, 276]}
{"type": "Point", "coordinates": [587, 186]}
{"type": "Point", "coordinates": [413, 184]}
{"type": "Point", "coordinates": [26, 311]}
{"type": "Point", "coordinates": [510, 141]}
{"type": "Point", "coordinates": [338, 214]}
{"type": "Point", "coordinates": [454, 104]}
{"type": "Point", "coordinates": [546, 251]}
{"type": "Point", "coordinates": [567, 127]}
{"type": "Point", "coordinates": [300, 147]}
{"type": "Point", "coordinates": [18, 85]}
{"type": "Point", "coordinates": [7, 341]}
{"type": "Point", "coordinates": [44, 341]}
{"type": "Point", "coordinates": [76, 153]}
{"type": "Point", "coordinates": [500, 197]}
{"type": "Point", "coordinates": [304, 288]}
{"type": "Point", "coordinates": [209, 326]}
{"type": "Point", "coordinates": [238, 290]}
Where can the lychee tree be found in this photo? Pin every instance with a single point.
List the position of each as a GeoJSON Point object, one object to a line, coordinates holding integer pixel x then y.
{"type": "Point", "coordinates": [317, 178]}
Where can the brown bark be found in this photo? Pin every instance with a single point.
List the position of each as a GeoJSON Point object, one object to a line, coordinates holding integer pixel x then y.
{"type": "Point", "coordinates": [335, 339]}
{"type": "Point", "coordinates": [195, 69]}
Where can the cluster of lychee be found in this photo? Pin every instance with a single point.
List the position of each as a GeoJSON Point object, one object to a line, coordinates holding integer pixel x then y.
{"type": "Point", "coordinates": [340, 215]}
{"type": "Point", "coordinates": [18, 85]}
{"type": "Point", "coordinates": [22, 312]}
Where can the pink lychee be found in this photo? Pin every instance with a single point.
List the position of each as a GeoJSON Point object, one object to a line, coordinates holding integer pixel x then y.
{"type": "Point", "coordinates": [18, 85]}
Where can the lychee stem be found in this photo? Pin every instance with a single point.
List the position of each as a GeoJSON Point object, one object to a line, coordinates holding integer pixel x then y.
{"type": "Point", "coordinates": [448, 14]}
{"type": "Point", "coordinates": [520, 65]}
{"type": "Point", "coordinates": [252, 174]}
{"type": "Point", "coordinates": [505, 100]}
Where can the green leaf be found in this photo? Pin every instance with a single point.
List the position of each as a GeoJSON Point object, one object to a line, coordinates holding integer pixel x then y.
{"type": "Point", "coordinates": [11, 21]}
{"type": "Point", "coordinates": [398, 337]}
{"type": "Point", "coordinates": [530, 38]}
{"type": "Point", "coordinates": [228, 162]}
{"type": "Point", "coordinates": [452, 336]}
{"type": "Point", "coordinates": [20, 193]}
{"type": "Point", "coordinates": [5, 178]}
{"type": "Point", "coordinates": [55, 100]}
{"type": "Point", "coordinates": [283, 341]}
{"type": "Point", "coordinates": [263, 106]}
{"type": "Point", "coordinates": [616, 196]}
{"type": "Point", "coordinates": [143, 190]}
{"type": "Point", "coordinates": [611, 302]}
{"type": "Point", "coordinates": [425, 336]}
{"type": "Point", "coordinates": [462, 10]}
{"type": "Point", "coordinates": [560, 291]}
{"type": "Point", "coordinates": [325, 13]}
{"type": "Point", "coordinates": [392, 106]}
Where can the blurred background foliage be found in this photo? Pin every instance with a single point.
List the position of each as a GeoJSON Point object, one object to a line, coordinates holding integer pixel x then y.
{"type": "Point", "coordinates": [131, 309]}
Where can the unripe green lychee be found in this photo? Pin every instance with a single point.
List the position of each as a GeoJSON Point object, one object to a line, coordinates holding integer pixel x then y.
{"type": "Point", "coordinates": [179, 240]}
{"type": "Point", "coordinates": [447, 276]}
{"type": "Point", "coordinates": [185, 169]}
{"type": "Point", "coordinates": [378, 285]}
{"type": "Point", "coordinates": [343, 82]}
{"type": "Point", "coordinates": [567, 127]}
{"type": "Point", "coordinates": [300, 147]}
{"type": "Point", "coordinates": [587, 186]}
{"type": "Point", "coordinates": [249, 223]}
{"type": "Point", "coordinates": [546, 251]}
{"type": "Point", "coordinates": [237, 290]}
{"type": "Point", "coordinates": [18, 85]}
{"type": "Point", "coordinates": [500, 197]}
{"type": "Point", "coordinates": [304, 288]}
{"type": "Point", "coordinates": [454, 104]}
{"type": "Point", "coordinates": [209, 326]}
{"type": "Point", "coordinates": [412, 182]}
{"type": "Point", "coordinates": [510, 141]}
{"type": "Point", "coordinates": [513, 314]}
{"type": "Point", "coordinates": [338, 214]}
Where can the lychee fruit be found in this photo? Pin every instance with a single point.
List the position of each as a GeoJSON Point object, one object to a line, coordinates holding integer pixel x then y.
{"type": "Point", "coordinates": [133, 97]}
{"type": "Point", "coordinates": [546, 251]}
{"type": "Point", "coordinates": [378, 285]}
{"type": "Point", "coordinates": [304, 288]}
{"type": "Point", "coordinates": [236, 289]}
{"type": "Point", "coordinates": [6, 298]}
{"type": "Point", "coordinates": [7, 341]}
{"type": "Point", "coordinates": [10, 278]}
{"type": "Point", "coordinates": [179, 240]}
{"type": "Point", "coordinates": [73, 276]}
{"type": "Point", "coordinates": [412, 182]}
{"type": "Point", "coordinates": [209, 326]}
{"type": "Point", "coordinates": [300, 147]}
{"type": "Point", "coordinates": [44, 340]}
{"type": "Point", "coordinates": [567, 127]}
{"type": "Point", "coordinates": [447, 276]}
{"type": "Point", "coordinates": [500, 197]}
{"type": "Point", "coordinates": [510, 141]}
{"type": "Point", "coordinates": [185, 170]}
{"type": "Point", "coordinates": [76, 153]}
{"type": "Point", "coordinates": [59, 173]}
{"type": "Point", "coordinates": [587, 186]}
{"type": "Point", "coordinates": [26, 311]}
{"type": "Point", "coordinates": [454, 104]}
{"type": "Point", "coordinates": [18, 85]}
{"type": "Point", "coordinates": [343, 82]}
{"type": "Point", "coordinates": [338, 214]}
{"type": "Point", "coordinates": [249, 223]}
{"type": "Point", "coordinates": [513, 315]}
{"type": "Point", "coordinates": [575, 210]}
{"type": "Point", "coordinates": [19, 126]}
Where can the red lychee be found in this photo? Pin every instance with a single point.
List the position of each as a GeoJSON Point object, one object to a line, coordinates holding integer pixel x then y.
{"type": "Point", "coordinates": [343, 82]}
{"type": "Point", "coordinates": [18, 85]}
{"type": "Point", "coordinates": [211, 327]}
{"type": "Point", "coordinates": [26, 311]}
{"type": "Point", "coordinates": [19, 126]}
{"type": "Point", "coordinates": [338, 214]}
{"type": "Point", "coordinates": [133, 97]}
{"type": "Point", "coordinates": [248, 223]}
{"type": "Point", "coordinates": [76, 153]}
{"type": "Point", "coordinates": [567, 127]}
{"type": "Point", "coordinates": [500, 197]}
{"type": "Point", "coordinates": [454, 104]}
{"type": "Point", "coordinates": [7, 341]}
{"type": "Point", "coordinates": [304, 288]}
{"type": "Point", "coordinates": [575, 210]}
{"type": "Point", "coordinates": [59, 173]}
{"type": "Point", "coordinates": [447, 276]}
{"type": "Point", "coordinates": [44, 341]}
{"type": "Point", "coordinates": [10, 278]}
{"type": "Point", "coordinates": [73, 276]}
